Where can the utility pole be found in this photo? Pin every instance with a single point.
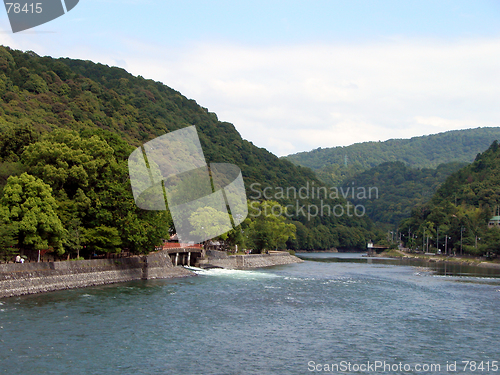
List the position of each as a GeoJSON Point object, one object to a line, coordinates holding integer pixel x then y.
{"type": "Point", "coordinates": [423, 241]}
{"type": "Point", "coordinates": [437, 239]}
{"type": "Point", "coordinates": [77, 243]}
{"type": "Point", "coordinates": [446, 244]}
{"type": "Point", "coordinates": [461, 231]}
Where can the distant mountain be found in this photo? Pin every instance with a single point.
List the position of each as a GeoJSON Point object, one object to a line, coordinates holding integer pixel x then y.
{"type": "Point", "coordinates": [461, 209]}
{"type": "Point", "coordinates": [399, 188]}
{"type": "Point", "coordinates": [333, 165]}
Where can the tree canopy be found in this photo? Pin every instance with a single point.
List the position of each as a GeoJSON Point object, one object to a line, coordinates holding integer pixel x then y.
{"type": "Point", "coordinates": [28, 205]}
{"type": "Point", "coordinates": [461, 209]}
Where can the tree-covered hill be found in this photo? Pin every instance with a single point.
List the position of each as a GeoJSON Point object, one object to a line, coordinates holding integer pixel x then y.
{"type": "Point", "coordinates": [41, 94]}
{"type": "Point", "coordinates": [461, 209]}
{"type": "Point", "coordinates": [67, 128]}
{"type": "Point", "coordinates": [399, 188]}
{"type": "Point", "coordinates": [333, 165]}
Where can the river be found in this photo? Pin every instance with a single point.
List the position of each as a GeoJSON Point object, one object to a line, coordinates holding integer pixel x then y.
{"type": "Point", "coordinates": [333, 310]}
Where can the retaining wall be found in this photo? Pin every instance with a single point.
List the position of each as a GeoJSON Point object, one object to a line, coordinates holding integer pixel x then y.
{"type": "Point", "coordinates": [242, 262]}
{"type": "Point", "coordinates": [29, 278]}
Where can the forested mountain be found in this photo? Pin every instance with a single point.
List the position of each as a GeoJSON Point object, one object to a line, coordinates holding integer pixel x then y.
{"type": "Point", "coordinates": [461, 209]}
{"type": "Point", "coordinates": [399, 188]}
{"type": "Point", "coordinates": [67, 128]}
{"type": "Point", "coordinates": [333, 165]}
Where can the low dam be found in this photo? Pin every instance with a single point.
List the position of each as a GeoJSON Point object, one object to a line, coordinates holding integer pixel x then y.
{"type": "Point", "coordinates": [242, 262]}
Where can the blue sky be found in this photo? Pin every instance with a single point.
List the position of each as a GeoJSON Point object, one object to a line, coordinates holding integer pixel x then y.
{"type": "Point", "coordinates": [295, 75]}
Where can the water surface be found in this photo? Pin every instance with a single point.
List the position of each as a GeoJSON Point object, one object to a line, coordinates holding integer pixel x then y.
{"type": "Point", "coordinates": [277, 320]}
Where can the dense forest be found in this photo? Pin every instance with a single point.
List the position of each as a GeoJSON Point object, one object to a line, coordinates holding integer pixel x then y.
{"type": "Point", "coordinates": [399, 189]}
{"type": "Point", "coordinates": [337, 164]}
{"type": "Point", "coordinates": [67, 128]}
{"type": "Point", "coordinates": [459, 212]}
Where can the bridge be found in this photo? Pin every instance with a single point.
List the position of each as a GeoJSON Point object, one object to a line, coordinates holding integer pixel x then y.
{"type": "Point", "coordinates": [183, 254]}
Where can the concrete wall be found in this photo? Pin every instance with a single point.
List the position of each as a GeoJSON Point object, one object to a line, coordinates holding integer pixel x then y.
{"type": "Point", "coordinates": [29, 278]}
{"type": "Point", "coordinates": [252, 261]}
{"type": "Point", "coordinates": [159, 266]}
{"type": "Point", "coordinates": [216, 254]}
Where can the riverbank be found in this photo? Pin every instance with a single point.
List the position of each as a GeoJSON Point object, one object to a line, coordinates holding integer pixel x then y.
{"type": "Point", "coordinates": [30, 278]}
{"type": "Point", "coordinates": [441, 259]}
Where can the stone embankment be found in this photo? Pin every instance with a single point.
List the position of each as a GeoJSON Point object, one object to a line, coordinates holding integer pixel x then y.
{"type": "Point", "coordinates": [243, 262]}
{"type": "Point", "coordinates": [29, 278]}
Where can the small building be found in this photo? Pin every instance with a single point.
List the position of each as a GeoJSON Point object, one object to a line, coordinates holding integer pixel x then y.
{"type": "Point", "coordinates": [374, 249]}
{"type": "Point", "coordinates": [494, 222]}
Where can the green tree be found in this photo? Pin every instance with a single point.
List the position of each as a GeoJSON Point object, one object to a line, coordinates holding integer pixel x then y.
{"type": "Point", "coordinates": [7, 240]}
{"type": "Point", "coordinates": [210, 223]}
{"type": "Point", "coordinates": [490, 242]}
{"type": "Point", "coordinates": [74, 239]}
{"type": "Point", "coordinates": [36, 84]}
{"type": "Point", "coordinates": [29, 206]}
{"type": "Point", "coordinates": [14, 138]}
{"type": "Point", "coordinates": [68, 161]}
{"type": "Point", "coordinates": [266, 226]}
{"type": "Point", "coordinates": [103, 239]}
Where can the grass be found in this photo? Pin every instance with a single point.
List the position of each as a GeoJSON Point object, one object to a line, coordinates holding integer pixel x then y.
{"type": "Point", "coordinates": [392, 253]}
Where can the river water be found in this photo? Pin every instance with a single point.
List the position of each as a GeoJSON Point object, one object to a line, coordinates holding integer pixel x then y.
{"type": "Point", "coordinates": [334, 310]}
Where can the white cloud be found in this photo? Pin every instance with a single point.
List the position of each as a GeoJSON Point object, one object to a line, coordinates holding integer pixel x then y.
{"type": "Point", "coordinates": [299, 97]}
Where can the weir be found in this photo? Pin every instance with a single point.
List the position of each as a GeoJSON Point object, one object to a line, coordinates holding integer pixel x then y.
{"type": "Point", "coordinates": [188, 256]}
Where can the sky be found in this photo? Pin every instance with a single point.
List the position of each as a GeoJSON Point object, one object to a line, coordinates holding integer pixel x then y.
{"type": "Point", "coordinates": [293, 76]}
